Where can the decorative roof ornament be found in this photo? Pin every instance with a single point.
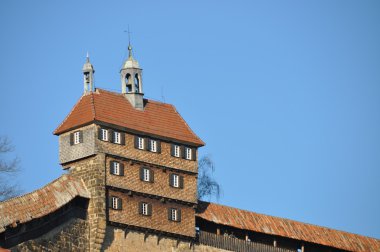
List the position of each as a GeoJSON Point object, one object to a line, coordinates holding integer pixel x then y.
{"type": "Point", "coordinates": [131, 79]}
{"type": "Point", "coordinates": [88, 75]}
{"type": "Point", "coordinates": [130, 62]}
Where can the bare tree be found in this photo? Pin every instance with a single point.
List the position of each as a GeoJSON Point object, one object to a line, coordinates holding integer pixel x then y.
{"type": "Point", "coordinates": [8, 169]}
{"type": "Point", "coordinates": [207, 185]}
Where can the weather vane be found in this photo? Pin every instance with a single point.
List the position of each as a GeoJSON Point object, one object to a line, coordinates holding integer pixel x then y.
{"type": "Point", "coordinates": [129, 35]}
{"type": "Point", "coordinates": [129, 42]}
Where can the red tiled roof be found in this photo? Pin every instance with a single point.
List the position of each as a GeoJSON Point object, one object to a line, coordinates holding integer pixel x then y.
{"type": "Point", "coordinates": [42, 201]}
{"type": "Point", "coordinates": [246, 220]}
{"type": "Point", "coordinates": [157, 118]}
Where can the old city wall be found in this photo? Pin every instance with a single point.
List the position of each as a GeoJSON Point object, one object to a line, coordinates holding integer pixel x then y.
{"type": "Point", "coordinates": [70, 236]}
{"type": "Point", "coordinates": [92, 171]}
{"type": "Point", "coordinates": [117, 240]}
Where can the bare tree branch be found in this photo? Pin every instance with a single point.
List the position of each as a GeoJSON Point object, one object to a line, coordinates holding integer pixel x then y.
{"type": "Point", "coordinates": [5, 145]}
{"type": "Point", "coordinates": [8, 168]}
{"type": "Point", "coordinates": [207, 185]}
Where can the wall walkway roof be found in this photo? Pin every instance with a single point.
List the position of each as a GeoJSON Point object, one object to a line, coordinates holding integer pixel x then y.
{"type": "Point", "coordinates": [251, 221]}
{"type": "Point", "coordinates": [42, 201]}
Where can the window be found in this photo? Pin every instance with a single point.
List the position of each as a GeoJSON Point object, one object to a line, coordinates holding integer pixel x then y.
{"type": "Point", "coordinates": [176, 180]}
{"type": "Point", "coordinates": [148, 144]}
{"type": "Point", "coordinates": [153, 145]}
{"type": "Point", "coordinates": [174, 214]}
{"type": "Point", "coordinates": [188, 153]}
{"type": "Point", "coordinates": [77, 137]}
{"type": "Point", "coordinates": [145, 208]}
{"type": "Point", "coordinates": [116, 137]}
{"type": "Point", "coordinates": [140, 143]}
{"type": "Point", "coordinates": [104, 134]}
{"type": "Point", "coordinates": [146, 175]}
{"type": "Point", "coordinates": [115, 203]}
{"type": "Point", "coordinates": [177, 150]}
{"type": "Point", "coordinates": [184, 152]}
{"type": "Point", "coordinates": [116, 168]}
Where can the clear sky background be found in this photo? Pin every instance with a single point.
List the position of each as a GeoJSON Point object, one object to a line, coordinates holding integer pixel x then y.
{"type": "Point", "coordinates": [286, 94]}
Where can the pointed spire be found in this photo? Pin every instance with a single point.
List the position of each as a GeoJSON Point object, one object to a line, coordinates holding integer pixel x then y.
{"type": "Point", "coordinates": [87, 58]}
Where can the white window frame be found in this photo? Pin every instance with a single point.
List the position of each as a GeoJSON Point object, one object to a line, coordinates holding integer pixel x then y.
{"type": "Point", "coordinates": [115, 202]}
{"type": "Point", "coordinates": [177, 150]}
{"type": "Point", "coordinates": [140, 143]}
{"type": "Point", "coordinates": [117, 137]}
{"type": "Point", "coordinates": [175, 180]}
{"type": "Point", "coordinates": [116, 168]}
{"type": "Point", "coordinates": [147, 174]}
{"type": "Point", "coordinates": [153, 145]}
{"type": "Point", "coordinates": [104, 133]}
{"type": "Point", "coordinates": [144, 209]}
{"type": "Point", "coordinates": [188, 153]}
{"type": "Point", "coordinates": [174, 214]}
{"type": "Point", "coordinates": [77, 137]}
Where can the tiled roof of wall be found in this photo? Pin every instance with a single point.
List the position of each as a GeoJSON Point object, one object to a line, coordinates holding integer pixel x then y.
{"type": "Point", "coordinates": [246, 220]}
{"type": "Point", "coordinates": [157, 118]}
{"type": "Point", "coordinates": [42, 201]}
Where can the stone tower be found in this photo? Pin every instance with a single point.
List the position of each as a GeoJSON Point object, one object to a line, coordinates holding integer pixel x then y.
{"type": "Point", "coordinates": [137, 158]}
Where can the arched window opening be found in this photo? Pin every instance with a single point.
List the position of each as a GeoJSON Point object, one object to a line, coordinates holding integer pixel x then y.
{"type": "Point", "coordinates": [128, 83]}
{"type": "Point", "coordinates": [137, 83]}
{"type": "Point", "coordinates": [87, 77]}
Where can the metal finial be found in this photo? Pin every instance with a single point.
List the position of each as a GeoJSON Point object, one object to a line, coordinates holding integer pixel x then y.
{"type": "Point", "coordinates": [129, 43]}
{"type": "Point", "coordinates": [87, 58]}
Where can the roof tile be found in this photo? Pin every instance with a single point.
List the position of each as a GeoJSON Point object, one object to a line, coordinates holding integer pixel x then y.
{"type": "Point", "coordinates": [157, 118]}
{"type": "Point", "coordinates": [286, 228]}
{"type": "Point", "coordinates": [42, 201]}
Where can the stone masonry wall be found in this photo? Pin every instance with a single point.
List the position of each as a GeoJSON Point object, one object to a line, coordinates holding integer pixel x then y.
{"type": "Point", "coordinates": [70, 236]}
{"type": "Point", "coordinates": [160, 186]}
{"type": "Point", "coordinates": [92, 172]}
{"type": "Point", "coordinates": [164, 158]}
{"type": "Point", "coordinates": [68, 153]}
{"type": "Point", "coordinates": [129, 214]}
{"type": "Point", "coordinates": [117, 240]}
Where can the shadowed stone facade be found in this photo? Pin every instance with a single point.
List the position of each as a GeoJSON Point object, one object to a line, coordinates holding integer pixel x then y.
{"type": "Point", "coordinates": [70, 236]}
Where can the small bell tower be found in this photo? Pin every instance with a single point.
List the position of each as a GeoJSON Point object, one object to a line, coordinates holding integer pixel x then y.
{"type": "Point", "coordinates": [88, 76]}
{"type": "Point", "coordinates": [131, 81]}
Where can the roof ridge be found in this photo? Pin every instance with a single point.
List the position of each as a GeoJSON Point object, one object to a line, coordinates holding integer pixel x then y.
{"type": "Point", "coordinates": [151, 100]}
{"type": "Point", "coordinates": [107, 91]}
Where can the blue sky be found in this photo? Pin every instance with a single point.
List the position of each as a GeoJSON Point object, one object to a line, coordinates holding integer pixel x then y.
{"type": "Point", "coordinates": [286, 94]}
